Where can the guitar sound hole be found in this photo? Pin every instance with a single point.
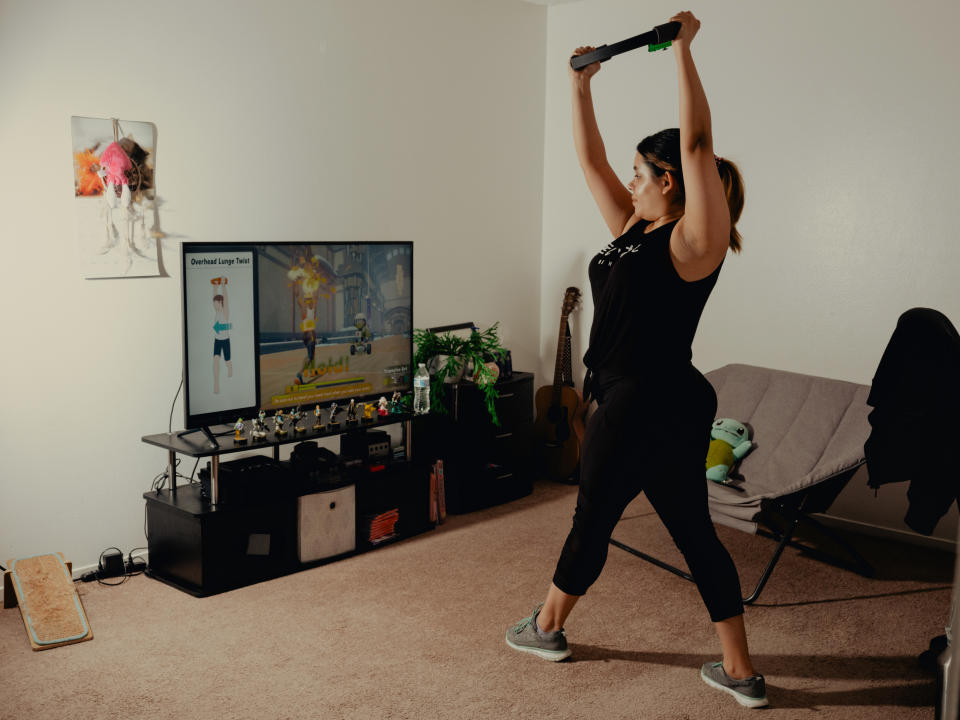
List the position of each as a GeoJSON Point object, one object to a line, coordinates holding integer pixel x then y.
{"type": "Point", "coordinates": [557, 414]}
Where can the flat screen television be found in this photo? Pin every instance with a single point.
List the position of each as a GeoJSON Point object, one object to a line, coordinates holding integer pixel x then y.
{"type": "Point", "coordinates": [274, 326]}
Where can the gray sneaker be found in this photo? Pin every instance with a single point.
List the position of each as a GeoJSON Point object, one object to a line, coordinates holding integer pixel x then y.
{"type": "Point", "coordinates": [524, 637]}
{"type": "Point", "coordinates": [750, 692]}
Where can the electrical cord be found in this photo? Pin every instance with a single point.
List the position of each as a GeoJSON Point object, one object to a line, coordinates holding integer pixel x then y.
{"type": "Point", "coordinates": [173, 404]}
{"type": "Point", "coordinates": [133, 566]}
{"type": "Point", "coordinates": [192, 472]}
{"type": "Point", "coordinates": [161, 480]}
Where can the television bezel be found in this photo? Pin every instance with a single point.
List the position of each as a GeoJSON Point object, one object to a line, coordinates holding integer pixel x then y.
{"type": "Point", "coordinates": [200, 420]}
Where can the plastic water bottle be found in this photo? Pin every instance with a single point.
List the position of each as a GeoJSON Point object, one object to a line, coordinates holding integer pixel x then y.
{"type": "Point", "coordinates": [421, 391]}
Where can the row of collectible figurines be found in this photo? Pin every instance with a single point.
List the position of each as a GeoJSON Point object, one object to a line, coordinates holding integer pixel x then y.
{"type": "Point", "coordinates": [295, 416]}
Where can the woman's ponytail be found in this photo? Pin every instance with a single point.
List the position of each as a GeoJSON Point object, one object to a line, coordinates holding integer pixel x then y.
{"type": "Point", "coordinates": [662, 153]}
{"type": "Point", "coordinates": [733, 189]}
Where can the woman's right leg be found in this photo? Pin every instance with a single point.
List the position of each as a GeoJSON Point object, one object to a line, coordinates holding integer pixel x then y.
{"type": "Point", "coordinates": [609, 481]}
{"type": "Point", "coordinates": [607, 485]}
{"type": "Point", "coordinates": [555, 609]}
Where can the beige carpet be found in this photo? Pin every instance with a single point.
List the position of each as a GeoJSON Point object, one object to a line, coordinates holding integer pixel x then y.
{"type": "Point", "coordinates": [415, 630]}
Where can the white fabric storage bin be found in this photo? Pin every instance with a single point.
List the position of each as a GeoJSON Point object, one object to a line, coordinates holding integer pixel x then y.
{"type": "Point", "coordinates": [327, 524]}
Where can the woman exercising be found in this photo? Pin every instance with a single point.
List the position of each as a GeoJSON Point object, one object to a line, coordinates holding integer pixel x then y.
{"type": "Point", "coordinates": [673, 225]}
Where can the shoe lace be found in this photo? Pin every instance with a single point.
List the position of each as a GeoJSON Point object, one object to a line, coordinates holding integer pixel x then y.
{"type": "Point", "coordinates": [522, 625]}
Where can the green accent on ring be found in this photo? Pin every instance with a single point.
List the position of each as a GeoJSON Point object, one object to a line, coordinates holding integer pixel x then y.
{"type": "Point", "coordinates": [659, 46]}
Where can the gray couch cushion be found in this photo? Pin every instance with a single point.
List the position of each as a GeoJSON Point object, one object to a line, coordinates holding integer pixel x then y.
{"type": "Point", "coordinates": [806, 429]}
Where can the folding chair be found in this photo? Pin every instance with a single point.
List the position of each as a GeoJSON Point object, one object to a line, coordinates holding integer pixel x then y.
{"type": "Point", "coordinates": [808, 435]}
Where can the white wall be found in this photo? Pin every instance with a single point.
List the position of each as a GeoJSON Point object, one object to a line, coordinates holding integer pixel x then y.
{"type": "Point", "coordinates": [424, 121]}
{"type": "Point", "coordinates": [843, 119]}
{"type": "Point", "coordinates": [344, 120]}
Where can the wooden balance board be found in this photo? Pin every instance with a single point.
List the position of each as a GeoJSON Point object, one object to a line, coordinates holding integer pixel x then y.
{"type": "Point", "coordinates": [43, 589]}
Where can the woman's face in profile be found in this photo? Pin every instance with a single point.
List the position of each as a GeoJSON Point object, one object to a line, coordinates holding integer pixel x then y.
{"type": "Point", "coordinates": [646, 190]}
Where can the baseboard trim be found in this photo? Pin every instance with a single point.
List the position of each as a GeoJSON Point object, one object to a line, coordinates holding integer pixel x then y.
{"type": "Point", "coordinates": [905, 536]}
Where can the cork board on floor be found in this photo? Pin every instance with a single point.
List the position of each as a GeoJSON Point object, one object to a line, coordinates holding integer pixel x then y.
{"type": "Point", "coordinates": [48, 601]}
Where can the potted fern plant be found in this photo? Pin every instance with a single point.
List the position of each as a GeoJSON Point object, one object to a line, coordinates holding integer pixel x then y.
{"type": "Point", "coordinates": [450, 357]}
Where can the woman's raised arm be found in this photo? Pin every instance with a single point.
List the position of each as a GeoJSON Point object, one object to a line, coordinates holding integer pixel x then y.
{"type": "Point", "coordinates": [702, 236]}
{"type": "Point", "coordinates": [610, 194]}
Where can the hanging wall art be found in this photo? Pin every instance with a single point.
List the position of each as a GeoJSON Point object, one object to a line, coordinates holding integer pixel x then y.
{"type": "Point", "coordinates": [118, 225]}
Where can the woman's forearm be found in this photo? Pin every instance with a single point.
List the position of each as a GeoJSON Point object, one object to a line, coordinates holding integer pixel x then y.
{"type": "Point", "coordinates": [586, 133]}
{"type": "Point", "coordinates": [695, 130]}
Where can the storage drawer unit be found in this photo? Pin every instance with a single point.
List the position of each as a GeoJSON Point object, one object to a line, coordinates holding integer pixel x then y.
{"type": "Point", "coordinates": [484, 464]}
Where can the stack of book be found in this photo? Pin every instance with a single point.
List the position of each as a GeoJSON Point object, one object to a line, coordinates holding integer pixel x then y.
{"type": "Point", "coordinates": [383, 526]}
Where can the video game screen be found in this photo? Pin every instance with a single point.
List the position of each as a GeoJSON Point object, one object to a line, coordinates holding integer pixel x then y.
{"type": "Point", "coordinates": [335, 322]}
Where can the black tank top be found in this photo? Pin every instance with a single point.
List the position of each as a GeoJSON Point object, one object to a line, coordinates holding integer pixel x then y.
{"type": "Point", "coordinates": [645, 315]}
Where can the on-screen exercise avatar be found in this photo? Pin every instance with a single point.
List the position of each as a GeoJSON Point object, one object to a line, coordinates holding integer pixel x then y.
{"type": "Point", "coordinates": [673, 225]}
{"type": "Point", "coordinates": [221, 330]}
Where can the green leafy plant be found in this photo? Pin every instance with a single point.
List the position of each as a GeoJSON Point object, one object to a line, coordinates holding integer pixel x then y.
{"type": "Point", "coordinates": [460, 353]}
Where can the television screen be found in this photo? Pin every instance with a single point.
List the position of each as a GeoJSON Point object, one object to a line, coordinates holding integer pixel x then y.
{"type": "Point", "coordinates": [309, 324]}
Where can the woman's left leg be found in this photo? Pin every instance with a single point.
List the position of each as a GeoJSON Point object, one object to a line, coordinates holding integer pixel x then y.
{"type": "Point", "coordinates": [733, 642]}
{"type": "Point", "coordinates": [679, 495]}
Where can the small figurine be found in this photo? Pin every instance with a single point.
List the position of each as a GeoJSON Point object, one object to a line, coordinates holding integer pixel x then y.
{"type": "Point", "coordinates": [368, 409]}
{"type": "Point", "coordinates": [316, 413]}
{"type": "Point", "coordinates": [382, 407]}
{"type": "Point", "coordinates": [278, 420]}
{"type": "Point", "coordinates": [259, 430]}
{"type": "Point", "coordinates": [332, 422]}
{"type": "Point", "coordinates": [352, 411]}
{"type": "Point", "coordinates": [396, 403]}
{"type": "Point", "coordinates": [238, 436]}
{"type": "Point", "coordinates": [295, 416]}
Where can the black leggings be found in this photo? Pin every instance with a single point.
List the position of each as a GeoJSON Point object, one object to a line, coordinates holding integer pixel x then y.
{"type": "Point", "coordinates": [650, 437]}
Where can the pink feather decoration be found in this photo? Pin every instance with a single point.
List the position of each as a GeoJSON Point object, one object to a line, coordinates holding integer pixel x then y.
{"type": "Point", "coordinates": [115, 161]}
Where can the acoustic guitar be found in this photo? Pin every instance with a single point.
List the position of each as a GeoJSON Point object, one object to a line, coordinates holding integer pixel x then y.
{"type": "Point", "coordinates": [557, 404]}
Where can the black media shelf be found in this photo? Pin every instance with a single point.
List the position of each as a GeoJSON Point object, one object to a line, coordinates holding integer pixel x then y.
{"type": "Point", "coordinates": [283, 523]}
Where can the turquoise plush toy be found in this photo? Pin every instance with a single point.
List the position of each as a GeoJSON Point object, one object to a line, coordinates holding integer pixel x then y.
{"type": "Point", "coordinates": [729, 443]}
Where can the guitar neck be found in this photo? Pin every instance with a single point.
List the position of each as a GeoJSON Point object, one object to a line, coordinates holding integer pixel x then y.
{"type": "Point", "coordinates": [558, 366]}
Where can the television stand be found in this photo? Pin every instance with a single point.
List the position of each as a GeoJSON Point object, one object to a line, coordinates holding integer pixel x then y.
{"type": "Point", "coordinates": [205, 429]}
{"type": "Point", "coordinates": [272, 519]}
{"type": "Point", "coordinates": [181, 443]}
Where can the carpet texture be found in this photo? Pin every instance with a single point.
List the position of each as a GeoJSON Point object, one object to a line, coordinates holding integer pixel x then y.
{"type": "Point", "coordinates": [416, 630]}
